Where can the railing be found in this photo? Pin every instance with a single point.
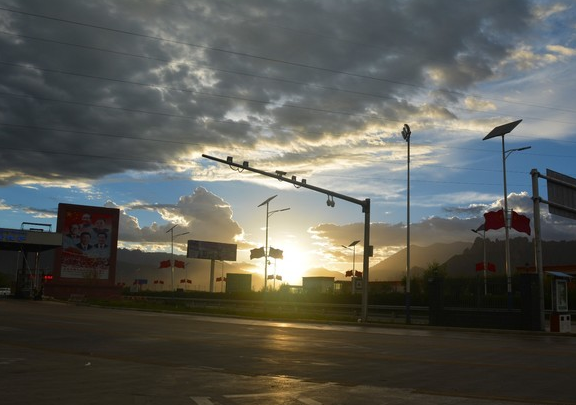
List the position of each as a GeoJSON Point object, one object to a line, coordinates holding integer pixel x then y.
{"type": "Point", "coordinates": [345, 312]}
{"type": "Point", "coordinates": [395, 314]}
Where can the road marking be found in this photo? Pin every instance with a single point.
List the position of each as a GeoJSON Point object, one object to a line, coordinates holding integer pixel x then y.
{"type": "Point", "coordinates": [9, 360]}
{"type": "Point", "coordinates": [202, 400]}
{"type": "Point", "coordinates": [309, 401]}
{"type": "Point", "coordinates": [304, 400]}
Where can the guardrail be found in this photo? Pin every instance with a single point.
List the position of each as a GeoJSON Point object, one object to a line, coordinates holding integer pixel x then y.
{"type": "Point", "coordinates": [349, 312]}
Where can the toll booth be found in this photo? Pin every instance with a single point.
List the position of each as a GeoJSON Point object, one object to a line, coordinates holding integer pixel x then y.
{"type": "Point", "coordinates": [29, 241]}
{"type": "Point", "coordinates": [560, 320]}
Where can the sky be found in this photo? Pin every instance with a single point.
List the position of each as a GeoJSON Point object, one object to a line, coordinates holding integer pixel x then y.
{"type": "Point", "coordinates": [112, 104]}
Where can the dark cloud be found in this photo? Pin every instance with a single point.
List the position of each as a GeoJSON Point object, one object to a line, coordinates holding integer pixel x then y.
{"type": "Point", "coordinates": [80, 102]}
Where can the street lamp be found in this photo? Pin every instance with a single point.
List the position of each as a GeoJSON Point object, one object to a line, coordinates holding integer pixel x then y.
{"type": "Point", "coordinates": [501, 131]}
{"type": "Point", "coordinates": [172, 236]}
{"type": "Point", "coordinates": [406, 135]}
{"type": "Point", "coordinates": [353, 245]}
{"type": "Point", "coordinates": [268, 215]}
{"type": "Point", "coordinates": [484, 263]}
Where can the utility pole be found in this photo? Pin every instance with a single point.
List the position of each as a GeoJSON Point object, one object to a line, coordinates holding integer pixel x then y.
{"type": "Point", "coordinates": [406, 135]}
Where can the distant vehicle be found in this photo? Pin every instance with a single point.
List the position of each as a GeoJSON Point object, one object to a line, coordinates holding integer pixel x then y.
{"type": "Point", "coordinates": [4, 291]}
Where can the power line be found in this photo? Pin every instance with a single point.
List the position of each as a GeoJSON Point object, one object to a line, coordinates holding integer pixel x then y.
{"type": "Point", "coordinates": [458, 168]}
{"type": "Point", "coordinates": [201, 93]}
{"type": "Point", "coordinates": [192, 91]}
{"type": "Point", "coordinates": [234, 72]}
{"type": "Point", "coordinates": [275, 60]}
{"type": "Point", "coordinates": [92, 133]}
{"type": "Point", "coordinates": [95, 77]}
{"type": "Point", "coordinates": [169, 163]}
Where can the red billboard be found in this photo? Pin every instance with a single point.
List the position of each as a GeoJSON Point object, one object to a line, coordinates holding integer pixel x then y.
{"type": "Point", "coordinates": [89, 243]}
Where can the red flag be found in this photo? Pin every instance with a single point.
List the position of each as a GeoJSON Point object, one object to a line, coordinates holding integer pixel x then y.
{"type": "Point", "coordinates": [520, 222]}
{"type": "Point", "coordinates": [279, 278]}
{"type": "Point", "coordinates": [358, 274]}
{"type": "Point", "coordinates": [276, 253]}
{"type": "Point", "coordinates": [218, 279]}
{"type": "Point", "coordinates": [182, 281]}
{"type": "Point", "coordinates": [349, 273]}
{"type": "Point", "coordinates": [179, 263]}
{"type": "Point", "coordinates": [164, 264]}
{"type": "Point", "coordinates": [257, 253]}
{"type": "Point", "coordinates": [188, 281]}
{"type": "Point", "coordinates": [489, 266]}
{"type": "Point", "coordinates": [494, 220]}
{"type": "Point", "coordinates": [155, 281]}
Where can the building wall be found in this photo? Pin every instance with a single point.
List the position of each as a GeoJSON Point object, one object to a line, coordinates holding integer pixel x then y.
{"type": "Point", "coordinates": [318, 284]}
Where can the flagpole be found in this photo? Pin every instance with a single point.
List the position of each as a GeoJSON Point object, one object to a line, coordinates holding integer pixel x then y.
{"type": "Point", "coordinates": [171, 230]}
{"type": "Point", "coordinates": [268, 215]}
{"type": "Point", "coordinates": [485, 263]}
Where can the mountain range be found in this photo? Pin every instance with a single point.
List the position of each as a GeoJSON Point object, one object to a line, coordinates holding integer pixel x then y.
{"type": "Point", "coordinates": [458, 258]}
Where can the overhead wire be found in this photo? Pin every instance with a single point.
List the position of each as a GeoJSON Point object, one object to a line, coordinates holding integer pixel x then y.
{"type": "Point", "coordinates": [276, 60]}
{"type": "Point", "coordinates": [207, 67]}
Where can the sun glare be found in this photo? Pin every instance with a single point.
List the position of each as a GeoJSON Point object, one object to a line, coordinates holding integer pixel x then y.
{"type": "Point", "coordinates": [295, 262]}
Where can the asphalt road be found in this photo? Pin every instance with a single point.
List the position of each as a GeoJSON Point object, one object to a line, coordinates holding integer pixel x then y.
{"type": "Point", "coordinates": [57, 353]}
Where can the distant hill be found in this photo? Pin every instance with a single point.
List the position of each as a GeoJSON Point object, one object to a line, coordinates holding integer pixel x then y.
{"type": "Point", "coordinates": [521, 254]}
{"type": "Point", "coordinates": [459, 258]}
{"type": "Point", "coordinates": [394, 267]}
{"type": "Point", "coordinates": [323, 272]}
{"type": "Point", "coordinates": [136, 264]}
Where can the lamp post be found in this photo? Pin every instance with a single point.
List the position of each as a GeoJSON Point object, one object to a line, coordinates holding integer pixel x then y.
{"type": "Point", "coordinates": [172, 236]}
{"type": "Point", "coordinates": [501, 131]}
{"type": "Point", "coordinates": [353, 246]}
{"type": "Point", "coordinates": [268, 215]}
{"type": "Point", "coordinates": [406, 135]}
{"type": "Point", "coordinates": [484, 263]}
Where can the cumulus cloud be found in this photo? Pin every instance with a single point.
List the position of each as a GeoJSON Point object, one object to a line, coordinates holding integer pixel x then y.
{"type": "Point", "coordinates": [202, 214]}
{"type": "Point", "coordinates": [456, 227]}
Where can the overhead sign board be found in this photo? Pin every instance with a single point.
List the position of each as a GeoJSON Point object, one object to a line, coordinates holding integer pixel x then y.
{"type": "Point", "coordinates": [561, 194]}
{"type": "Point", "coordinates": [31, 241]}
{"type": "Point", "coordinates": [198, 249]}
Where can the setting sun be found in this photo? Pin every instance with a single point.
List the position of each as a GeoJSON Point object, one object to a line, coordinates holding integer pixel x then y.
{"type": "Point", "coordinates": [296, 261]}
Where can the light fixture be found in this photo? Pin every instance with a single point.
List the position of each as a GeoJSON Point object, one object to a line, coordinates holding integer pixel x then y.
{"type": "Point", "coordinates": [330, 202]}
{"type": "Point", "coordinates": [406, 132]}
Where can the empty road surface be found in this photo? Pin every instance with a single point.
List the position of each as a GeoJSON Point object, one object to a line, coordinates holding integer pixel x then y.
{"type": "Point", "coordinates": [58, 353]}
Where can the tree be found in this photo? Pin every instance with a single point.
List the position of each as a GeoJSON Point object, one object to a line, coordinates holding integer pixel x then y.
{"type": "Point", "coordinates": [434, 270]}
